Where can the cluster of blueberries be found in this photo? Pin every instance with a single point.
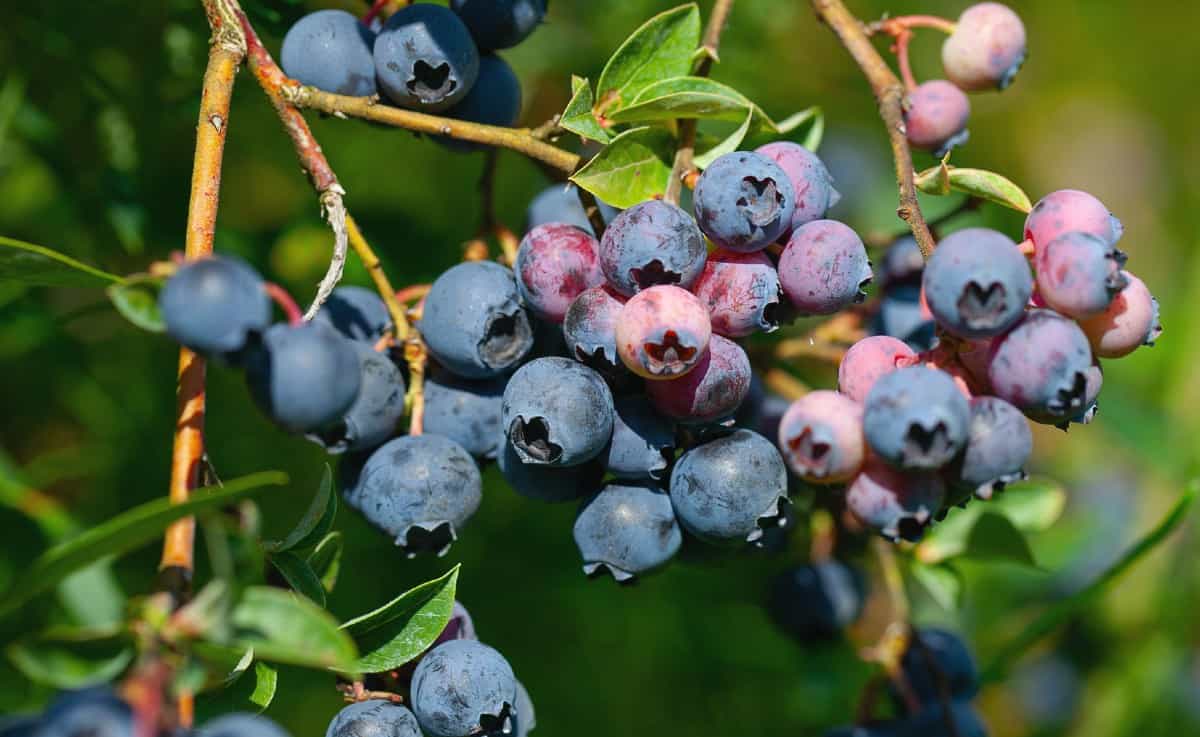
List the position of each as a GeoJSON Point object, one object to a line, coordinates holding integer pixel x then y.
{"type": "Point", "coordinates": [984, 52]}
{"type": "Point", "coordinates": [425, 57]}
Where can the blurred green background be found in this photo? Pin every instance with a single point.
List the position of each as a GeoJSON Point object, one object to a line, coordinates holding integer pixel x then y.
{"type": "Point", "coordinates": [98, 105]}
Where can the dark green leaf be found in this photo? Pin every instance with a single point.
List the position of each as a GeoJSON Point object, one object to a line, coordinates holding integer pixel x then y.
{"type": "Point", "coordinates": [73, 658]}
{"type": "Point", "coordinates": [684, 97]}
{"type": "Point", "coordinates": [400, 630]}
{"type": "Point", "coordinates": [285, 628]}
{"type": "Point", "coordinates": [995, 537]}
{"type": "Point", "coordinates": [125, 532]}
{"type": "Point", "coordinates": [296, 571]}
{"type": "Point", "coordinates": [943, 582]}
{"type": "Point", "coordinates": [315, 523]}
{"type": "Point", "coordinates": [578, 116]}
{"type": "Point", "coordinates": [34, 265]}
{"type": "Point", "coordinates": [92, 597]}
{"type": "Point", "coordinates": [326, 560]}
{"type": "Point", "coordinates": [987, 185]}
{"type": "Point", "coordinates": [137, 300]}
{"type": "Point", "coordinates": [633, 168]}
{"type": "Point", "coordinates": [661, 48]}
{"type": "Point", "coordinates": [1032, 506]}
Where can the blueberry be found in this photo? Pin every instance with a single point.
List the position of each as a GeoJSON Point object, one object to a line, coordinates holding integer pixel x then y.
{"type": "Point", "coordinates": [213, 305]}
{"type": "Point", "coordinates": [811, 182]}
{"type": "Point", "coordinates": [821, 437]}
{"type": "Point", "coordinates": [936, 117]}
{"type": "Point", "coordinates": [824, 268]}
{"type": "Point", "coordinates": [902, 264]}
{"type": "Point", "coordinates": [816, 602]}
{"type": "Point", "coordinates": [90, 712]}
{"type": "Point", "coordinates": [1079, 274]}
{"type": "Point", "coordinates": [1071, 211]}
{"type": "Point", "coordinates": [548, 483]}
{"type": "Point", "coordinates": [871, 729]}
{"type": "Point", "coordinates": [730, 488]}
{"type": "Point", "coordinates": [330, 50]}
{"type": "Point", "coordinates": [467, 412]}
{"type": "Point", "coordinates": [374, 718]}
{"type": "Point", "coordinates": [742, 292]}
{"type": "Point", "coordinates": [1130, 321]}
{"type": "Point", "coordinates": [651, 243]}
{"type": "Point", "coordinates": [628, 529]}
{"type": "Point", "coordinates": [377, 410]}
{"type": "Point", "coordinates": [557, 412]}
{"type": "Point", "coordinates": [241, 725]}
{"type": "Point", "coordinates": [932, 722]}
{"type": "Point", "coordinates": [560, 203]}
{"type": "Point", "coordinates": [473, 322]}
{"type": "Point", "coordinates": [524, 718]}
{"type": "Point", "coordinates": [495, 99]}
{"type": "Point", "coordinates": [643, 441]}
{"type": "Point", "coordinates": [462, 688]}
{"type": "Point", "coordinates": [903, 315]}
{"type": "Point", "coordinates": [662, 332]}
{"type": "Point", "coordinates": [1041, 367]}
{"type": "Point", "coordinates": [999, 445]}
{"type": "Point", "coordinates": [304, 377]}
{"type": "Point", "coordinates": [744, 201]}
{"type": "Point", "coordinates": [977, 283]}
{"type": "Point", "coordinates": [419, 489]}
{"type": "Point", "coordinates": [710, 392]}
{"type": "Point", "coordinates": [357, 313]}
{"type": "Point", "coordinates": [590, 328]}
{"type": "Point", "coordinates": [937, 659]}
{"type": "Point", "coordinates": [500, 24]}
{"type": "Point", "coordinates": [986, 49]}
{"type": "Point", "coordinates": [1091, 405]}
{"type": "Point", "coordinates": [555, 263]}
{"type": "Point", "coordinates": [916, 418]}
{"type": "Point", "coordinates": [425, 58]}
{"type": "Point", "coordinates": [868, 360]}
{"type": "Point", "coordinates": [895, 504]}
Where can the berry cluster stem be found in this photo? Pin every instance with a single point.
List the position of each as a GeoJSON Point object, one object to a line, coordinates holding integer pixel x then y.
{"type": "Point", "coordinates": [900, 23]}
{"type": "Point", "coordinates": [889, 94]}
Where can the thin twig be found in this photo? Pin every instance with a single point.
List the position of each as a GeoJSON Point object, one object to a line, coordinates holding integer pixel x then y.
{"type": "Point", "coordinates": [902, 59]}
{"type": "Point", "coordinates": [374, 268]}
{"type": "Point", "coordinates": [906, 22]}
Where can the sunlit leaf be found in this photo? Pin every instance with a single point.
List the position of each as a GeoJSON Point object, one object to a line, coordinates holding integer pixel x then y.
{"type": "Point", "coordinates": [633, 168]}
{"type": "Point", "coordinates": [136, 299]}
{"type": "Point", "coordinates": [661, 48]}
{"type": "Point", "coordinates": [684, 97]}
{"type": "Point", "coordinates": [402, 629]}
{"type": "Point", "coordinates": [578, 116]}
{"type": "Point", "coordinates": [1031, 506]}
{"type": "Point", "coordinates": [944, 179]}
{"type": "Point", "coordinates": [727, 145]}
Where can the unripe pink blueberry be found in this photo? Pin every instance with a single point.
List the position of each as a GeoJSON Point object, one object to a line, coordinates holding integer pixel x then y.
{"type": "Point", "coordinates": [986, 49]}
{"type": "Point", "coordinates": [821, 437]}
{"type": "Point", "coordinates": [895, 504]}
{"type": "Point", "coordinates": [742, 292]}
{"type": "Point", "coordinates": [662, 332]}
{"type": "Point", "coordinates": [824, 268]}
{"type": "Point", "coordinates": [869, 359]}
{"type": "Point", "coordinates": [936, 118]}
{"type": "Point", "coordinates": [555, 263]}
{"type": "Point", "coordinates": [1130, 321]}
{"type": "Point", "coordinates": [712, 391]}
{"type": "Point", "coordinates": [811, 181]}
{"type": "Point", "coordinates": [1070, 211]}
{"type": "Point", "coordinates": [1078, 274]}
{"type": "Point", "coordinates": [1041, 367]}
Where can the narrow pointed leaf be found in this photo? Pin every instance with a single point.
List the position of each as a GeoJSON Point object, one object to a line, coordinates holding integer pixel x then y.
{"type": "Point", "coordinates": [661, 48]}
{"type": "Point", "coordinates": [299, 575]}
{"type": "Point", "coordinates": [326, 560]}
{"type": "Point", "coordinates": [38, 266]}
{"type": "Point", "coordinates": [266, 681]}
{"type": "Point", "coordinates": [315, 523]}
{"type": "Point", "coordinates": [403, 628]}
{"type": "Point", "coordinates": [728, 145]}
{"type": "Point", "coordinates": [944, 179]}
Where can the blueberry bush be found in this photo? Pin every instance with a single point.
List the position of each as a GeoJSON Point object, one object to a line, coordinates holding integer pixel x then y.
{"type": "Point", "coordinates": [777, 397]}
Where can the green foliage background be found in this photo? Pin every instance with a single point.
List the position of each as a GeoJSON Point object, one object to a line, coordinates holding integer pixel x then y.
{"type": "Point", "coordinates": [97, 107]}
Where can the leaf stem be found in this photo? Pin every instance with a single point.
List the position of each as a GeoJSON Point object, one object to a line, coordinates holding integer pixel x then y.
{"type": "Point", "coordinates": [901, 23]}
{"type": "Point", "coordinates": [285, 302]}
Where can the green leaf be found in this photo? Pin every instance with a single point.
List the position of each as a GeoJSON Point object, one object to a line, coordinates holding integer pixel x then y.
{"type": "Point", "coordinates": [33, 265]}
{"type": "Point", "coordinates": [326, 560]}
{"type": "Point", "coordinates": [995, 537]}
{"type": "Point", "coordinates": [285, 628]}
{"type": "Point", "coordinates": [1069, 608]}
{"type": "Point", "coordinates": [661, 48]}
{"type": "Point", "coordinates": [92, 597]}
{"type": "Point", "coordinates": [136, 299]}
{"type": "Point", "coordinates": [1031, 506]}
{"type": "Point", "coordinates": [266, 681]}
{"type": "Point", "coordinates": [315, 523]}
{"type": "Point", "coordinates": [578, 116]}
{"type": "Point", "coordinates": [73, 658]}
{"type": "Point", "coordinates": [400, 630]}
{"type": "Point", "coordinates": [125, 532]}
{"type": "Point", "coordinates": [943, 582]}
{"type": "Point", "coordinates": [299, 575]}
{"type": "Point", "coordinates": [633, 168]}
{"type": "Point", "coordinates": [728, 145]}
{"type": "Point", "coordinates": [943, 179]}
{"type": "Point", "coordinates": [684, 97]}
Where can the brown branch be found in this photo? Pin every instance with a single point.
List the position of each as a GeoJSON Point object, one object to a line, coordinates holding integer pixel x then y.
{"type": "Point", "coordinates": [889, 94]}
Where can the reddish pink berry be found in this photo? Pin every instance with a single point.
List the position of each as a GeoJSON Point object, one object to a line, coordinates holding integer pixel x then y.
{"type": "Point", "coordinates": [824, 268]}
{"type": "Point", "coordinates": [1070, 211]}
{"type": "Point", "coordinates": [810, 180]}
{"type": "Point", "coordinates": [712, 391]}
{"type": "Point", "coordinates": [1131, 320]}
{"type": "Point", "coordinates": [742, 292]}
{"type": "Point", "coordinates": [1079, 274]}
{"type": "Point", "coordinates": [1041, 367]}
{"type": "Point", "coordinates": [896, 504]}
{"type": "Point", "coordinates": [936, 118]}
{"type": "Point", "coordinates": [986, 49]}
{"type": "Point", "coordinates": [821, 436]}
{"type": "Point", "coordinates": [869, 359]}
{"type": "Point", "coordinates": [555, 263]}
{"type": "Point", "coordinates": [662, 332]}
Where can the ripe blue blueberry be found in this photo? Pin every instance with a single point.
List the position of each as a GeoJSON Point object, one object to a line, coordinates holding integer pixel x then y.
{"type": "Point", "coordinates": [731, 488]}
{"type": "Point", "coordinates": [425, 58]}
{"type": "Point", "coordinates": [977, 283]}
{"type": "Point", "coordinates": [560, 203]}
{"type": "Point", "coordinates": [902, 264]}
{"type": "Point", "coordinates": [557, 412]}
{"type": "Point", "coordinates": [902, 315]}
{"type": "Point", "coordinates": [744, 201]}
{"type": "Point", "coordinates": [357, 313]}
{"type": "Point", "coordinates": [628, 529]}
{"type": "Point", "coordinates": [651, 243]}
{"type": "Point", "coordinates": [462, 688]}
{"type": "Point", "coordinates": [916, 418]}
{"type": "Point", "coordinates": [937, 657]}
{"type": "Point", "coordinates": [998, 446]}
{"type": "Point", "coordinates": [377, 410]}
{"type": "Point", "coordinates": [817, 601]}
{"type": "Point", "coordinates": [643, 441]}
{"type": "Point", "coordinates": [500, 24]}
{"type": "Point", "coordinates": [332, 51]}
{"type": "Point", "coordinates": [419, 489]}
{"type": "Point", "coordinates": [467, 412]}
{"type": "Point", "coordinates": [94, 712]}
{"type": "Point", "coordinates": [896, 504]}
{"type": "Point", "coordinates": [241, 725]}
{"type": "Point", "coordinates": [590, 329]}
{"type": "Point", "coordinates": [811, 182]}
{"type": "Point", "coordinates": [473, 322]}
{"type": "Point", "coordinates": [495, 99]}
{"type": "Point", "coordinates": [213, 305]}
{"type": "Point", "coordinates": [932, 722]}
{"type": "Point", "coordinates": [524, 718]}
{"type": "Point", "coordinates": [304, 377]}
{"type": "Point", "coordinates": [548, 483]}
{"type": "Point", "coordinates": [1041, 366]}
{"type": "Point", "coordinates": [374, 718]}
